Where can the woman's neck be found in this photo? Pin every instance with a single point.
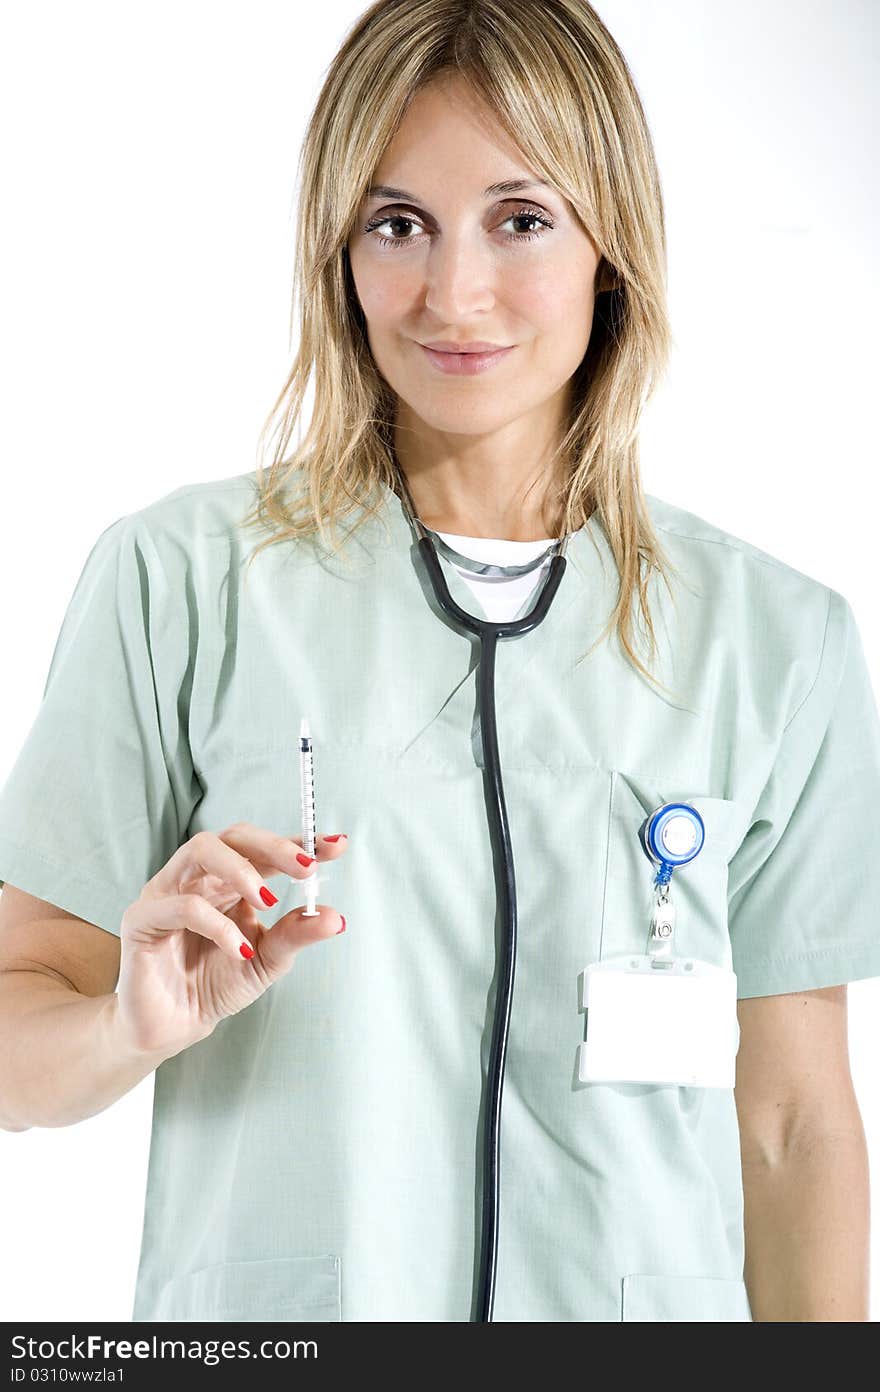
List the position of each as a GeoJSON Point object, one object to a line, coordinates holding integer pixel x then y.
{"type": "Point", "coordinates": [483, 517]}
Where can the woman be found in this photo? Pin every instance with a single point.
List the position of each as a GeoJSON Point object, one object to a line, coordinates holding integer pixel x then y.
{"type": "Point", "coordinates": [473, 173]}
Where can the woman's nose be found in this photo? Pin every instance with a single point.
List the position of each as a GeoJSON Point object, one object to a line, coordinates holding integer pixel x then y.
{"type": "Point", "coordinates": [459, 279]}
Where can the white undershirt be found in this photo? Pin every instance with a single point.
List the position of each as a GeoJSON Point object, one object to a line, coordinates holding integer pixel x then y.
{"type": "Point", "coordinates": [500, 597]}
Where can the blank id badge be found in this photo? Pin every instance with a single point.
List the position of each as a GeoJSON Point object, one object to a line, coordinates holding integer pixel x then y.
{"type": "Point", "coordinates": [656, 1017]}
{"type": "Point", "coordinates": [668, 1021]}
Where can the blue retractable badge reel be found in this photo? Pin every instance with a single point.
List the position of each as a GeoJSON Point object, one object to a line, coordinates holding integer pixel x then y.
{"type": "Point", "coordinates": [671, 836]}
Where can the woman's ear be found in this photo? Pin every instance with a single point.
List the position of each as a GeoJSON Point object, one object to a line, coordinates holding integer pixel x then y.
{"type": "Point", "coordinates": [606, 278]}
{"type": "Point", "coordinates": [348, 276]}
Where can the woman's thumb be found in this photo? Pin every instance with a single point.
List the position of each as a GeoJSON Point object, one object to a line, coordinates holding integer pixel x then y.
{"type": "Point", "coordinates": [280, 943]}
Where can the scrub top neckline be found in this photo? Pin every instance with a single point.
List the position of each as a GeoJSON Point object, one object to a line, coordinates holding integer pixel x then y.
{"type": "Point", "coordinates": [524, 548]}
{"type": "Point", "coordinates": [482, 556]}
{"type": "Point", "coordinates": [585, 545]}
{"type": "Point", "coordinates": [579, 611]}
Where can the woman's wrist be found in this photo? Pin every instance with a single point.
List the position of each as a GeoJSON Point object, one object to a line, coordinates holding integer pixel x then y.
{"type": "Point", "coordinates": [123, 1045]}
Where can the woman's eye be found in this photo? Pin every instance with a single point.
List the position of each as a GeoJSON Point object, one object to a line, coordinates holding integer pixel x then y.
{"type": "Point", "coordinates": [524, 215]}
{"type": "Point", "coordinates": [387, 222]}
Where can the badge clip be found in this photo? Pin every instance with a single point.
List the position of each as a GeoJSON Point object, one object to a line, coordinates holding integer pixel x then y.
{"type": "Point", "coordinates": [671, 836]}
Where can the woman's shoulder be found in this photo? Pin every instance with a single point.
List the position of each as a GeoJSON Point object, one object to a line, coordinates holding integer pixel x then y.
{"type": "Point", "coordinates": [771, 611]}
{"type": "Point", "coordinates": [195, 526]}
{"type": "Point", "coordinates": [688, 527]}
{"type": "Point", "coordinates": [732, 562]}
{"type": "Point", "coordinates": [194, 532]}
{"type": "Point", "coordinates": [222, 502]}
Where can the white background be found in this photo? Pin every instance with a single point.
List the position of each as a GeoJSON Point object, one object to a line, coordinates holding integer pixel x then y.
{"type": "Point", "coordinates": [147, 242]}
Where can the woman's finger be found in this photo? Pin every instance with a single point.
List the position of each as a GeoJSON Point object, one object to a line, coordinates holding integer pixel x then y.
{"type": "Point", "coordinates": [229, 857]}
{"type": "Point", "coordinates": [156, 917]}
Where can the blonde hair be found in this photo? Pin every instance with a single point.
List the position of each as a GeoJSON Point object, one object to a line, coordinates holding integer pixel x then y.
{"type": "Point", "coordinates": [558, 84]}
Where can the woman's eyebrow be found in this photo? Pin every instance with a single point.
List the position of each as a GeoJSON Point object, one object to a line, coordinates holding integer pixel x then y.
{"type": "Point", "coordinates": [506, 186]}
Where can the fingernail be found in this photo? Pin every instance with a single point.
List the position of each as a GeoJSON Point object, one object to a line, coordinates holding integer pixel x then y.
{"type": "Point", "coordinates": [342, 929]}
{"type": "Point", "coordinates": [338, 837]}
{"type": "Point", "coordinates": [305, 860]}
{"type": "Point", "coordinates": [267, 896]}
{"type": "Point", "coordinates": [246, 950]}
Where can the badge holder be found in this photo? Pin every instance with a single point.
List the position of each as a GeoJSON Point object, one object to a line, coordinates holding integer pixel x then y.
{"type": "Point", "coordinates": [659, 1018]}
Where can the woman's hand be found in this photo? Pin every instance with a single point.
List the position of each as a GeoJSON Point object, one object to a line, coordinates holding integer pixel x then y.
{"type": "Point", "coordinates": [181, 965]}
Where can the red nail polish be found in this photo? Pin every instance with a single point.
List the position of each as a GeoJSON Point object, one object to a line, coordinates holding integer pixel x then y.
{"type": "Point", "coordinates": [267, 896]}
{"type": "Point", "coordinates": [338, 837]}
{"type": "Point", "coordinates": [246, 950]}
{"type": "Point", "coordinates": [342, 929]}
{"type": "Point", "coordinates": [306, 860]}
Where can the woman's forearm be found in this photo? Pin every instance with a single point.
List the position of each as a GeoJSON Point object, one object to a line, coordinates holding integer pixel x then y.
{"type": "Point", "coordinates": [63, 1055]}
{"type": "Point", "coordinates": [807, 1229]}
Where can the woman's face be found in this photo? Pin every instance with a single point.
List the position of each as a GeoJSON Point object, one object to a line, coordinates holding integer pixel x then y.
{"type": "Point", "coordinates": [455, 269]}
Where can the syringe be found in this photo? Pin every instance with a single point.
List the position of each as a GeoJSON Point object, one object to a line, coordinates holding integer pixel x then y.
{"type": "Point", "coordinates": [307, 793]}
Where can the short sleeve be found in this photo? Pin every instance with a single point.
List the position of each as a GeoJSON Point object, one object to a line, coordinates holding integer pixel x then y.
{"type": "Point", "coordinates": [804, 885]}
{"type": "Point", "coordinates": [102, 789]}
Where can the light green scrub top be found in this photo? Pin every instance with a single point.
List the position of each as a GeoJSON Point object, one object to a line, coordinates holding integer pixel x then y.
{"type": "Point", "coordinates": [318, 1156]}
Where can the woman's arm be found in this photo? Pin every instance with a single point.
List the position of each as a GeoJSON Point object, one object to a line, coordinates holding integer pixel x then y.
{"type": "Point", "coordinates": [804, 1160]}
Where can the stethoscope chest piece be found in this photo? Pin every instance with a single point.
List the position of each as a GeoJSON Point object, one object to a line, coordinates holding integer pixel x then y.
{"type": "Point", "coordinates": [671, 836]}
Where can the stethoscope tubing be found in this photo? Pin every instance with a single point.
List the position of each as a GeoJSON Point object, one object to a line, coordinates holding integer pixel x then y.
{"type": "Point", "coordinates": [488, 634]}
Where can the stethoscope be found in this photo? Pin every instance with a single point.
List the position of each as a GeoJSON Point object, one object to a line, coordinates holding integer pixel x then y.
{"type": "Point", "coordinates": [663, 836]}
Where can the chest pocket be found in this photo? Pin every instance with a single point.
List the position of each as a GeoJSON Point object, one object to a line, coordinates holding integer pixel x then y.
{"type": "Point", "coordinates": [698, 890]}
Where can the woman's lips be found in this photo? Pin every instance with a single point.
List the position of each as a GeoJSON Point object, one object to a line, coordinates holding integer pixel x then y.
{"type": "Point", "coordinates": [465, 364]}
